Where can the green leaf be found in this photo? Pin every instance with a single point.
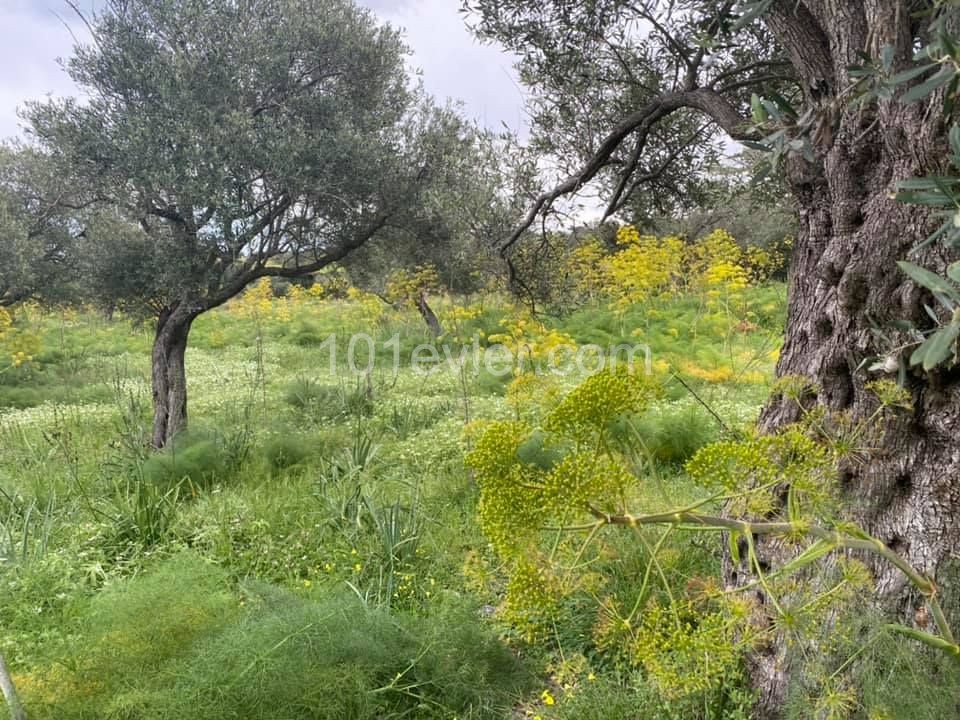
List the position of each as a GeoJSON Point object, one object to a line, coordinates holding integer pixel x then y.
{"type": "Point", "coordinates": [919, 92]}
{"type": "Point", "coordinates": [733, 539]}
{"type": "Point", "coordinates": [937, 348]}
{"type": "Point", "coordinates": [751, 11]}
{"type": "Point", "coordinates": [929, 280]}
{"type": "Point", "coordinates": [908, 75]}
{"type": "Point", "coordinates": [929, 199]}
{"type": "Point", "coordinates": [951, 96]}
{"type": "Point", "coordinates": [927, 183]}
{"type": "Point", "coordinates": [886, 57]}
{"type": "Point", "coordinates": [759, 111]}
{"type": "Point", "coordinates": [772, 109]}
{"type": "Point", "coordinates": [808, 557]}
{"type": "Point", "coordinates": [785, 107]}
{"type": "Point", "coordinates": [904, 325]}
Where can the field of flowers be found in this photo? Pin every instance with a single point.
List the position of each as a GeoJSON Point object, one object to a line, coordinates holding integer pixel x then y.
{"type": "Point", "coordinates": [331, 538]}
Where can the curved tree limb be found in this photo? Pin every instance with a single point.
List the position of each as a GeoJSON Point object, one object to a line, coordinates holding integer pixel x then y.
{"type": "Point", "coordinates": [718, 108]}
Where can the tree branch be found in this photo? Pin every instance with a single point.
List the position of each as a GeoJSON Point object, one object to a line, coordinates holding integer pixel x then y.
{"type": "Point", "coordinates": [711, 103]}
{"type": "Point", "coordinates": [623, 193]}
{"type": "Point", "coordinates": [690, 81]}
{"type": "Point", "coordinates": [741, 69]}
{"type": "Point", "coordinates": [330, 256]}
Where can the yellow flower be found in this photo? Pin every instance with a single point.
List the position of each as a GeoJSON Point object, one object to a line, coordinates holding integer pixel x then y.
{"type": "Point", "coordinates": [547, 698]}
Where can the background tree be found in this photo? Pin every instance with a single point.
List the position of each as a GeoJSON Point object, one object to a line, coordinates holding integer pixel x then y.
{"type": "Point", "coordinates": [475, 199]}
{"type": "Point", "coordinates": [35, 233]}
{"type": "Point", "coordinates": [790, 66]}
{"type": "Point", "coordinates": [245, 140]}
{"type": "Point", "coordinates": [740, 197]}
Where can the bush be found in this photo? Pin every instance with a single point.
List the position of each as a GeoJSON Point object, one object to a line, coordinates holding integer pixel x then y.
{"type": "Point", "coordinates": [286, 451]}
{"type": "Point", "coordinates": [199, 463]}
{"type": "Point", "coordinates": [673, 435]}
{"type": "Point", "coordinates": [338, 660]}
{"type": "Point", "coordinates": [175, 644]}
{"type": "Point", "coordinates": [308, 396]}
{"type": "Point", "coordinates": [489, 383]}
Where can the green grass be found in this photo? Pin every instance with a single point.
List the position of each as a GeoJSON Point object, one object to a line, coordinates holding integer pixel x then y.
{"type": "Point", "coordinates": [309, 547]}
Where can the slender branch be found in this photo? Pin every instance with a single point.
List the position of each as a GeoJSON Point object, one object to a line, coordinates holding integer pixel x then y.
{"type": "Point", "coordinates": [330, 256]}
{"type": "Point", "coordinates": [690, 81]}
{"type": "Point", "coordinates": [623, 194]}
{"type": "Point", "coordinates": [749, 67]}
{"type": "Point", "coordinates": [681, 51]}
{"type": "Point", "coordinates": [752, 81]}
{"type": "Point", "coordinates": [835, 538]}
{"type": "Point", "coordinates": [700, 400]}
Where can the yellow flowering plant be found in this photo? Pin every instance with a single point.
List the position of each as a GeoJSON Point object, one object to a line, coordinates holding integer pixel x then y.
{"type": "Point", "coordinates": [548, 492]}
{"type": "Point", "coordinates": [19, 346]}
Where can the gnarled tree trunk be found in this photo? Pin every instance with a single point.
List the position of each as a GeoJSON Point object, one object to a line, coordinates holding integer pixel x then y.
{"type": "Point", "coordinates": [169, 374]}
{"type": "Point", "coordinates": [844, 288]}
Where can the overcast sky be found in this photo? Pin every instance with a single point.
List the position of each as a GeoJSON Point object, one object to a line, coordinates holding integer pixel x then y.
{"type": "Point", "coordinates": [34, 33]}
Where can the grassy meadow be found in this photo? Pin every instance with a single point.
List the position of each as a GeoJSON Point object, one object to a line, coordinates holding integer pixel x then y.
{"type": "Point", "coordinates": [309, 547]}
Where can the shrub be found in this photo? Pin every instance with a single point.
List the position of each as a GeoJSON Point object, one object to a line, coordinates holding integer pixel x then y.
{"type": "Point", "coordinates": [175, 644]}
{"type": "Point", "coordinates": [286, 451]}
{"type": "Point", "coordinates": [196, 462]}
{"type": "Point", "coordinates": [338, 660]}
{"type": "Point", "coordinates": [308, 396]}
{"type": "Point", "coordinates": [673, 435]}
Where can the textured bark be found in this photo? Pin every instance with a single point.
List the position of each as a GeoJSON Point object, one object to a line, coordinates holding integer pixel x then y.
{"type": "Point", "coordinates": [9, 692]}
{"type": "Point", "coordinates": [428, 315]}
{"type": "Point", "coordinates": [169, 374]}
{"type": "Point", "coordinates": [844, 285]}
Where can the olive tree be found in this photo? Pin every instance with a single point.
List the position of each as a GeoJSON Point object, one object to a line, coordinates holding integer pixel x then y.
{"type": "Point", "coordinates": [243, 139]}
{"type": "Point", "coordinates": [35, 218]}
{"type": "Point", "coordinates": [826, 87]}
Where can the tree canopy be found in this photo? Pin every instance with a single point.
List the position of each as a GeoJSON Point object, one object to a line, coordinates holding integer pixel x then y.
{"type": "Point", "coordinates": [632, 94]}
{"type": "Point", "coordinates": [235, 140]}
{"type": "Point", "coordinates": [234, 133]}
{"type": "Point", "coordinates": [34, 225]}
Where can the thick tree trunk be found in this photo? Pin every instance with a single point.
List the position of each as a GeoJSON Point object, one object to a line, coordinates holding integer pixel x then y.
{"type": "Point", "coordinates": [169, 375]}
{"type": "Point", "coordinates": [844, 288]}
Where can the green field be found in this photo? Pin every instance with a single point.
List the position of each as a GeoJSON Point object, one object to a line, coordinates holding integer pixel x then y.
{"type": "Point", "coordinates": [309, 547]}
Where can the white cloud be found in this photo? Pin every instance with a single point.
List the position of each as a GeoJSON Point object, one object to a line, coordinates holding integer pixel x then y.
{"type": "Point", "coordinates": [455, 64]}
{"type": "Point", "coordinates": [32, 38]}
{"type": "Point", "coordinates": [34, 33]}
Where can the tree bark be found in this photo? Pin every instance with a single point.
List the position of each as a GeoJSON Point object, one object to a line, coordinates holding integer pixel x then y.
{"type": "Point", "coordinates": [844, 288]}
{"type": "Point", "coordinates": [9, 692]}
{"type": "Point", "coordinates": [428, 315]}
{"type": "Point", "coordinates": [169, 374]}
